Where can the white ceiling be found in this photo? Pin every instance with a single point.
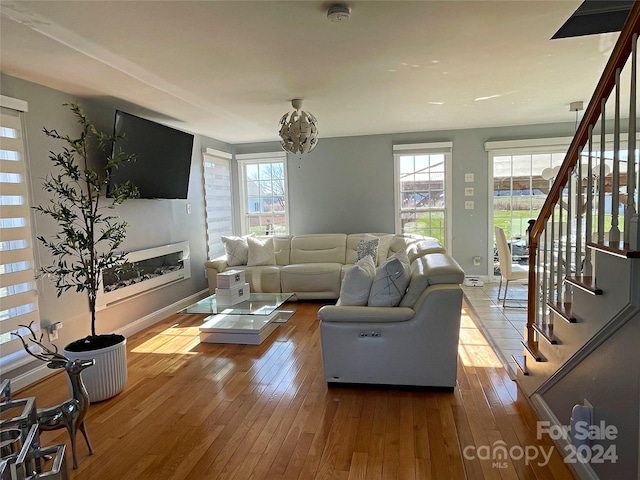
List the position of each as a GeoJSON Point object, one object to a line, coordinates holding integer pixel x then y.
{"type": "Point", "coordinates": [229, 69]}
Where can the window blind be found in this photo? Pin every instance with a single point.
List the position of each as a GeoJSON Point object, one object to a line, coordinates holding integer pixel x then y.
{"type": "Point", "coordinates": [18, 290]}
{"type": "Point", "coordinates": [218, 203]}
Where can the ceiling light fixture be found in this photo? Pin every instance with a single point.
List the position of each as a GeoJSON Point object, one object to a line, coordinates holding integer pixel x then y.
{"type": "Point", "coordinates": [339, 12]}
{"type": "Point", "coordinates": [576, 107]}
{"type": "Point", "coordinates": [298, 130]}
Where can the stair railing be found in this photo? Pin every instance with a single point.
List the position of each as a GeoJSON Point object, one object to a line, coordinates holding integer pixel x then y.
{"type": "Point", "coordinates": [558, 239]}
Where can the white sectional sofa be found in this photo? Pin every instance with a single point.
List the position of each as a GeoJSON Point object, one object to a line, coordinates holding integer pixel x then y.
{"type": "Point", "coordinates": [311, 266]}
{"type": "Point", "coordinates": [410, 337]}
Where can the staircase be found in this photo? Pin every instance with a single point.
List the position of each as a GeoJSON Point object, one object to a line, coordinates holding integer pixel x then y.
{"type": "Point", "coordinates": [581, 353]}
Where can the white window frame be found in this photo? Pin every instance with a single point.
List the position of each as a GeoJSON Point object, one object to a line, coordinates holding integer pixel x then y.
{"type": "Point", "coordinates": [444, 148]}
{"type": "Point", "coordinates": [25, 298]}
{"type": "Point", "coordinates": [256, 158]}
{"type": "Point", "coordinates": [215, 165]}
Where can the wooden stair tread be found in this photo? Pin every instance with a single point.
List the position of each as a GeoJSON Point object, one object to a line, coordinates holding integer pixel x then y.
{"type": "Point", "coordinates": [620, 249]}
{"type": "Point", "coordinates": [546, 330]}
{"type": "Point", "coordinates": [585, 283]}
{"type": "Point", "coordinates": [521, 363]}
{"type": "Point", "coordinates": [563, 310]}
{"type": "Point", "coordinates": [532, 347]}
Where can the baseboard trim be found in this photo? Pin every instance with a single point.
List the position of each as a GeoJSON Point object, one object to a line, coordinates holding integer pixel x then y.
{"type": "Point", "coordinates": [32, 376]}
{"type": "Point", "coordinates": [583, 470]}
{"type": "Point", "coordinates": [41, 371]}
{"type": "Point", "coordinates": [158, 315]}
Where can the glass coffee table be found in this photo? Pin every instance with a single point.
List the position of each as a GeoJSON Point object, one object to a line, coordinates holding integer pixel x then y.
{"type": "Point", "coordinates": [248, 322]}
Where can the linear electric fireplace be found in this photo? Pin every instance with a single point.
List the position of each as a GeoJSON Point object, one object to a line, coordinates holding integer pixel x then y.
{"type": "Point", "coordinates": [148, 269]}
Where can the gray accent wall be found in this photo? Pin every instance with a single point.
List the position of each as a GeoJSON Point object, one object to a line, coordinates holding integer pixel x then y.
{"type": "Point", "coordinates": [153, 223]}
{"type": "Point", "coordinates": [346, 184]}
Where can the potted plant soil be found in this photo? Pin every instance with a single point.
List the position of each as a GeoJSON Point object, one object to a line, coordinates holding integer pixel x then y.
{"type": "Point", "coordinates": [87, 241]}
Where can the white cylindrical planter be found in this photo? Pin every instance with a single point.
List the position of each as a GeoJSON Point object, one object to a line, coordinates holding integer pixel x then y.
{"type": "Point", "coordinates": [108, 376]}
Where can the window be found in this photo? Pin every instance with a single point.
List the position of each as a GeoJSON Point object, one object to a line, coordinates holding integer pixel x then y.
{"type": "Point", "coordinates": [422, 189]}
{"type": "Point", "coordinates": [263, 185]}
{"type": "Point", "coordinates": [521, 181]}
{"type": "Point", "coordinates": [217, 196]}
{"type": "Point", "coordinates": [18, 291]}
{"type": "Point", "coordinates": [523, 173]}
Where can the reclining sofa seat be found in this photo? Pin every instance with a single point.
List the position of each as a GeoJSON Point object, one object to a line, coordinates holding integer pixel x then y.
{"type": "Point", "coordinates": [315, 266]}
{"type": "Point", "coordinates": [414, 344]}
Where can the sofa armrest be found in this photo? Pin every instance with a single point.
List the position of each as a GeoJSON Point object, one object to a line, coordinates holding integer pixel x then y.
{"type": "Point", "coordinates": [212, 268]}
{"type": "Point", "coordinates": [362, 314]}
{"type": "Point", "coordinates": [219, 264]}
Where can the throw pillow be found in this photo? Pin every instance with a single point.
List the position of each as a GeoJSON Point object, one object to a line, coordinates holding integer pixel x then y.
{"type": "Point", "coordinates": [236, 249]}
{"type": "Point", "coordinates": [390, 282]}
{"type": "Point", "coordinates": [367, 247]}
{"type": "Point", "coordinates": [261, 252]}
{"type": "Point", "coordinates": [357, 282]}
{"type": "Point", "coordinates": [384, 242]}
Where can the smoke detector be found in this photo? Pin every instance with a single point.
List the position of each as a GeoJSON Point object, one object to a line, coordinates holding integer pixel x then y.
{"type": "Point", "coordinates": [339, 12]}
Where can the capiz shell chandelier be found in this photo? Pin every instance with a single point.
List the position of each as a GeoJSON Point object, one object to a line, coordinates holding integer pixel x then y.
{"type": "Point", "coordinates": [298, 130]}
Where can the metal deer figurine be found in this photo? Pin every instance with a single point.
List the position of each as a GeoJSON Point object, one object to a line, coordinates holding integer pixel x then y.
{"type": "Point", "coordinates": [69, 414]}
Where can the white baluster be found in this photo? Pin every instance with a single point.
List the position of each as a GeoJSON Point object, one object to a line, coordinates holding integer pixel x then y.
{"type": "Point", "coordinates": [631, 225]}
{"type": "Point", "coordinates": [614, 232]}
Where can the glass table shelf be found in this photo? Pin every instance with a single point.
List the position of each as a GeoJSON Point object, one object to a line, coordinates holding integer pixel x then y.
{"type": "Point", "coordinates": [257, 304]}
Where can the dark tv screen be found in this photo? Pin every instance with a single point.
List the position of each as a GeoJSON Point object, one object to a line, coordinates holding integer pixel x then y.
{"type": "Point", "coordinates": [163, 157]}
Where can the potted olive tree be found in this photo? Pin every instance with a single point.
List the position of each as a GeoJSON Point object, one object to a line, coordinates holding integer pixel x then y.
{"type": "Point", "coordinates": [87, 241]}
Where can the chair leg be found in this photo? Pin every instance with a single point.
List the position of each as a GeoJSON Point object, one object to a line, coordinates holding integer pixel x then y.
{"type": "Point", "coordinates": [504, 299]}
{"type": "Point", "coordinates": [500, 288]}
{"type": "Point", "coordinates": [506, 288]}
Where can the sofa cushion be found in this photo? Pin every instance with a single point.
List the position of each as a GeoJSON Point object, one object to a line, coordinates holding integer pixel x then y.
{"type": "Point", "coordinates": [261, 252]}
{"type": "Point", "coordinates": [262, 279]}
{"type": "Point", "coordinates": [323, 278]}
{"type": "Point", "coordinates": [236, 249]}
{"type": "Point", "coordinates": [390, 282]}
{"type": "Point", "coordinates": [356, 283]}
{"type": "Point", "coordinates": [282, 247]}
{"type": "Point", "coordinates": [318, 248]}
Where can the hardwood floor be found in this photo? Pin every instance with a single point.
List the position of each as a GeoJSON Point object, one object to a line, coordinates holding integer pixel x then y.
{"type": "Point", "coordinates": [205, 411]}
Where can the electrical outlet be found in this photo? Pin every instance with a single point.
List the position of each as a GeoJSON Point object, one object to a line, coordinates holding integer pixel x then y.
{"type": "Point", "coordinates": [53, 335]}
{"type": "Point", "coordinates": [52, 330]}
{"type": "Point", "coordinates": [468, 192]}
{"type": "Point", "coordinates": [468, 205]}
{"type": "Point", "coordinates": [469, 177]}
{"type": "Point", "coordinates": [188, 209]}
{"type": "Point", "coordinates": [477, 261]}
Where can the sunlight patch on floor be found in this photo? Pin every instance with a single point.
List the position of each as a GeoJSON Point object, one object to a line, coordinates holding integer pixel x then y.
{"type": "Point", "coordinates": [171, 341]}
{"type": "Point", "coordinates": [473, 348]}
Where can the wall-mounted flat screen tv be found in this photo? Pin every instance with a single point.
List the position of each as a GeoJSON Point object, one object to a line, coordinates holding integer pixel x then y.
{"type": "Point", "coordinates": [163, 157]}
